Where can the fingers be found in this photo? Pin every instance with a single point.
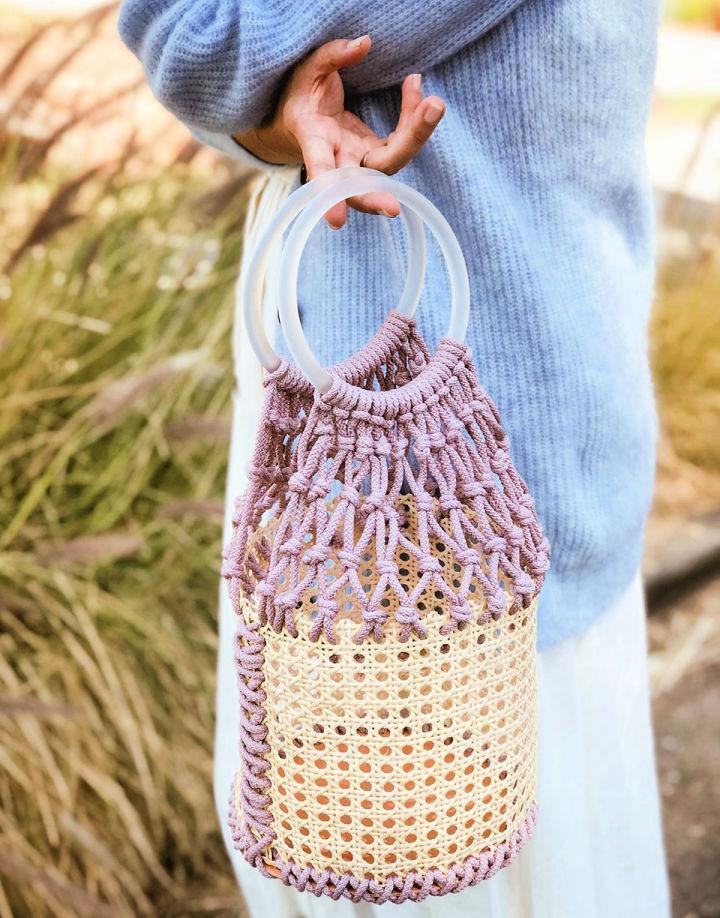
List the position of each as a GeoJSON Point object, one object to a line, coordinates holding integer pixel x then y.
{"type": "Point", "coordinates": [319, 156]}
{"type": "Point", "coordinates": [418, 119]}
{"type": "Point", "coordinates": [373, 203]}
{"type": "Point", "coordinates": [377, 203]}
{"type": "Point", "coordinates": [411, 98]}
{"type": "Point", "coordinates": [336, 54]}
{"type": "Point", "coordinates": [318, 149]}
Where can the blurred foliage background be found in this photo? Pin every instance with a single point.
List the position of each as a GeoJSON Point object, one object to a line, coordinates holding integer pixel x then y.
{"type": "Point", "coordinates": [119, 244]}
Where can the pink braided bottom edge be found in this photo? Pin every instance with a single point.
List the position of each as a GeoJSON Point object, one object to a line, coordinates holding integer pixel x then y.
{"type": "Point", "coordinates": [413, 887]}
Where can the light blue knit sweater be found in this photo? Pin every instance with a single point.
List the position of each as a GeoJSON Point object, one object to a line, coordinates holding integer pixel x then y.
{"type": "Point", "coordinates": [539, 167]}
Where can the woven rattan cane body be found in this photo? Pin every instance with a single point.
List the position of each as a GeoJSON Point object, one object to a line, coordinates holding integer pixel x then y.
{"type": "Point", "coordinates": [386, 648]}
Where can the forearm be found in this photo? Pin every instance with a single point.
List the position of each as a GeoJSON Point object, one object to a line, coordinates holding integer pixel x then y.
{"type": "Point", "coordinates": [219, 64]}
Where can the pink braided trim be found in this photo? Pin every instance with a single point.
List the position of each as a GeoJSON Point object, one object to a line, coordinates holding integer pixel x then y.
{"type": "Point", "coordinates": [412, 887]}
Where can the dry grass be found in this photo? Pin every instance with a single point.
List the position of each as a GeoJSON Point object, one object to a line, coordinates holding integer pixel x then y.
{"type": "Point", "coordinates": [115, 336]}
{"type": "Point", "coordinates": [114, 391]}
{"type": "Point", "coordinates": [685, 339]}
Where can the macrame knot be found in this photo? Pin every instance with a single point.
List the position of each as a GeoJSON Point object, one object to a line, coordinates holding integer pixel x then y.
{"type": "Point", "coordinates": [524, 585]}
{"type": "Point", "coordinates": [421, 444]}
{"type": "Point", "coordinates": [423, 502]}
{"type": "Point", "coordinates": [374, 619]}
{"type": "Point", "coordinates": [540, 564]}
{"type": "Point", "coordinates": [468, 557]}
{"type": "Point", "coordinates": [286, 424]}
{"type": "Point", "coordinates": [500, 462]}
{"type": "Point", "coordinates": [350, 494]}
{"type": "Point", "coordinates": [287, 600]}
{"type": "Point", "coordinates": [496, 603]}
{"type": "Point", "coordinates": [488, 481]}
{"type": "Point", "coordinates": [346, 444]}
{"type": "Point", "coordinates": [415, 363]}
{"type": "Point", "coordinates": [376, 501]}
{"type": "Point", "coordinates": [450, 502]}
{"type": "Point", "coordinates": [349, 559]}
{"type": "Point", "coordinates": [523, 515]}
{"type": "Point", "coordinates": [429, 565]}
{"type": "Point", "coordinates": [265, 589]}
{"type": "Point", "coordinates": [327, 605]}
{"type": "Point", "coordinates": [515, 537]}
{"type": "Point", "coordinates": [365, 446]}
{"type": "Point", "coordinates": [465, 413]}
{"type": "Point", "coordinates": [324, 429]}
{"type": "Point", "coordinates": [526, 500]}
{"type": "Point", "coordinates": [494, 544]}
{"type": "Point", "coordinates": [318, 490]}
{"type": "Point", "coordinates": [291, 547]}
{"type": "Point", "coordinates": [460, 613]}
{"type": "Point", "coordinates": [399, 448]}
{"type": "Point", "coordinates": [455, 433]}
{"type": "Point", "coordinates": [256, 471]}
{"type": "Point", "coordinates": [299, 483]}
{"type": "Point", "coordinates": [318, 554]}
{"type": "Point", "coordinates": [409, 618]}
{"type": "Point", "coordinates": [382, 446]}
{"type": "Point", "coordinates": [283, 472]}
{"type": "Point", "coordinates": [230, 569]}
{"type": "Point", "coordinates": [385, 568]}
{"type": "Point", "coordinates": [471, 489]}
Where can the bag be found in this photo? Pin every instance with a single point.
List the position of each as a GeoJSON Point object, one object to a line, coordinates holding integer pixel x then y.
{"type": "Point", "coordinates": [385, 649]}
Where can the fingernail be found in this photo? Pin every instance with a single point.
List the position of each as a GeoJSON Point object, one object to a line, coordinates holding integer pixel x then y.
{"type": "Point", "coordinates": [416, 81]}
{"type": "Point", "coordinates": [433, 113]}
{"type": "Point", "coordinates": [356, 42]}
{"type": "Point", "coordinates": [386, 213]}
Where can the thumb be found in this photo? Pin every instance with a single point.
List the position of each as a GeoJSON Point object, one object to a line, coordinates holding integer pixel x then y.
{"type": "Point", "coordinates": [339, 53]}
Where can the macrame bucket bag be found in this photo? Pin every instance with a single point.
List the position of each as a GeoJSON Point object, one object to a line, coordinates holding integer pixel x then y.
{"type": "Point", "coordinates": [386, 627]}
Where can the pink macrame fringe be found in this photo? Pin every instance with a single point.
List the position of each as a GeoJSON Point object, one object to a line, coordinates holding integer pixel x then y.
{"type": "Point", "coordinates": [390, 359]}
{"type": "Point", "coordinates": [437, 438]}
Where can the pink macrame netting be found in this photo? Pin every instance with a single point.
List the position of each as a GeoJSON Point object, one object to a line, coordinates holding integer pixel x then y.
{"type": "Point", "coordinates": [390, 359]}
{"type": "Point", "coordinates": [436, 439]}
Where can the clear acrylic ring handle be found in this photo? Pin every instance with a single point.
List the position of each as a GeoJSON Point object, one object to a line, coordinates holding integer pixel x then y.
{"type": "Point", "coordinates": [361, 181]}
{"type": "Point", "coordinates": [338, 181]}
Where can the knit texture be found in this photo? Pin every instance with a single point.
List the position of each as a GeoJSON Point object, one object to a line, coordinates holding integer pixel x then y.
{"type": "Point", "coordinates": [539, 167]}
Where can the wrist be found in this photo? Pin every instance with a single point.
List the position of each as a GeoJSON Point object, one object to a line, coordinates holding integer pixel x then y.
{"type": "Point", "coordinates": [268, 148]}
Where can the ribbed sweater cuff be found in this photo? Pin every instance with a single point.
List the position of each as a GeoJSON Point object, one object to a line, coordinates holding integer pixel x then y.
{"type": "Point", "coordinates": [226, 144]}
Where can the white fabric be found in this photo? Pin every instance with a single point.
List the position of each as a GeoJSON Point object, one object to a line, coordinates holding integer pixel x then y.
{"type": "Point", "coordinates": [597, 851]}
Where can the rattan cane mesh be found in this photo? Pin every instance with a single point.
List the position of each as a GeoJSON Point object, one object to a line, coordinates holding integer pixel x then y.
{"type": "Point", "coordinates": [400, 756]}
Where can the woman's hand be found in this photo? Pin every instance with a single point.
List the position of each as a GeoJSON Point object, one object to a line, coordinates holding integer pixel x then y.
{"type": "Point", "coordinates": [310, 125]}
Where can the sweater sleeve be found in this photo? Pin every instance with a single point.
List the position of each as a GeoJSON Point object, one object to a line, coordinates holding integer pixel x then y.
{"type": "Point", "coordinates": [218, 64]}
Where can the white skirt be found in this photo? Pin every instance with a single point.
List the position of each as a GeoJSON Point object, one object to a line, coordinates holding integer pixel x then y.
{"type": "Point", "coordinates": [597, 851]}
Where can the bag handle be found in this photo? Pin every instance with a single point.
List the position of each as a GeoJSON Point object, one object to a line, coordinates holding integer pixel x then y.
{"type": "Point", "coordinates": [337, 181]}
{"type": "Point", "coordinates": [360, 181]}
